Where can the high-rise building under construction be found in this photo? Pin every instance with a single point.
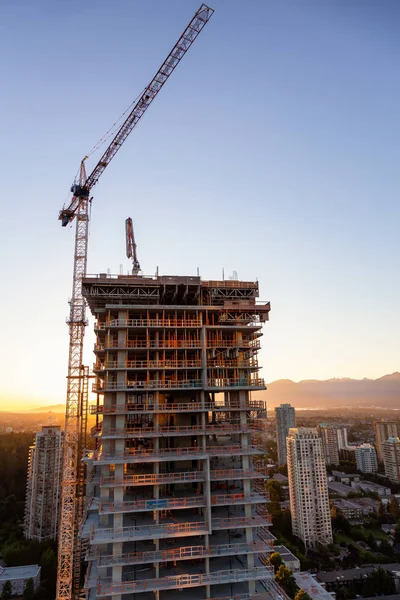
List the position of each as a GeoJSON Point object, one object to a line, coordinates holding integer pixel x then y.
{"type": "Point", "coordinates": [175, 494]}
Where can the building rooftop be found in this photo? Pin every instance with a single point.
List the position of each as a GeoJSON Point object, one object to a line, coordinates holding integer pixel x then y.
{"type": "Point", "coordinates": [344, 575]}
{"type": "Point", "coordinates": [341, 474]}
{"type": "Point", "coordinates": [25, 572]}
{"type": "Point", "coordinates": [285, 553]}
{"type": "Point", "coordinates": [313, 588]}
{"type": "Point", "coordinates": [281, 478]}
{"type": "Point", "coordinates": [335, 487]}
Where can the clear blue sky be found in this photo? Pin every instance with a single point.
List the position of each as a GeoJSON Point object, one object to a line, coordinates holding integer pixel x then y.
{"type": "Point", "coordinates": [273, 150]}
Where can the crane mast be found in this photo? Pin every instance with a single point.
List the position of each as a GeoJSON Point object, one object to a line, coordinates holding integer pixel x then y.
{"type": "Point", "coordinates": [68, 580]}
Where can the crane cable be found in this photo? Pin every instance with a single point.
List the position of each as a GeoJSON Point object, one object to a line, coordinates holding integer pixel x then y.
{"type": "Point", "coordinates": [113, 127]}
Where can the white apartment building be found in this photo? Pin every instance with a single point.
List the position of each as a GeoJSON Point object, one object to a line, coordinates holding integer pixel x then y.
{"type": "Point", "coordinates": [329, 437]}
{"type": "Point", "coordinates": [366, 458]}
{"type": "Point", "coordinates": [383, 431]}
{"type": "Point", "coordinates": [391, 458]}
{"type": "Point", "coordinates": [342, 438]}
{"type": "Point", "coordinates": [309, 501]}
{"type": "Point", "coordinates": [285, 416]}
{"type": "Point", "coordinates": [43, 489]}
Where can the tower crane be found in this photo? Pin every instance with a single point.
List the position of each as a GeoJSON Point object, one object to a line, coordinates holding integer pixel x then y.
{"type": "Point", "coordinates": [77, 208]}
{"type": "Point", "coordinates": [131, 246]}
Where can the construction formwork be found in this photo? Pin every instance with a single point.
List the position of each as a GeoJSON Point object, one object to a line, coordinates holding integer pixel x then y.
{"type": "Point", "coordinates": [175, 496]}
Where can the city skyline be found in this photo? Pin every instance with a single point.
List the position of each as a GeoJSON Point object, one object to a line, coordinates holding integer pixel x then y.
{"type": "Point", "coordinates": [301, 185]}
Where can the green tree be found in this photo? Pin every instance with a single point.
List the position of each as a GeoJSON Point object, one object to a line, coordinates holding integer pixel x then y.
{"type": "Point", "coordinates": [29, 590]}
{"type": "Point", "coordinates": [286, 580]}
{"type": "Point", "coordinates": [6, 591]}
{"type": "Point", "coordinates": [275, 560]}
{"type": "Point", "coordinates": [302, 595]}
{"type": "Point", "coordinates": [394, 508]}
{"type": "Point", "coordinates": [274, 490]}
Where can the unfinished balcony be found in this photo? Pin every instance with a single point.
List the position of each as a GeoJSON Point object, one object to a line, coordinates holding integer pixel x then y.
{"type": "Point", "coordinates": [105, 587]}
{"type": "Point", "coordinates": [148, 505]}
{"type": "Point", "coordinates": [137, 456]}
{"type": "Point", "coordinates": [172, 431]}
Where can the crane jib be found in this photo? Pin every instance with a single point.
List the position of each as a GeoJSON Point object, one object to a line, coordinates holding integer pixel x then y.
{"type": "Point", "coordinates": [191, 32]}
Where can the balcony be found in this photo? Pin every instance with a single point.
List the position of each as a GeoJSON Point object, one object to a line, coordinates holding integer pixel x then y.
{"type": "Point", "coordinates": [183, 553]}
{"type": "Point", "coordinates": [157, 323]}
{"type": "Point", "coordinates": [102, 387]}
{"type": "Point", "coordinates": [179, 503]}
{"type": "Point", "coordinates": [177, 430]}
{"type": "Point", "coordinates": [222, 343]}
{"type": "Point", "coordinates": [105, 587]}
{"type": "Point", "coordinates": [146, 344]}
{"type": "Point", "coordinates": [138, 408]}
{"type": "Point", "coordinates": [147, 364]}
{"type": "Point", "coordinates": [239, 382]}
{"type": "Point", "coordinates": [212, 384]}
{"type": "Point", "coordinates": [132, 455]}
{"type": "Point", "coordinates": [171, 530]}
{"type": "Point", "coordinates": [180, 477]}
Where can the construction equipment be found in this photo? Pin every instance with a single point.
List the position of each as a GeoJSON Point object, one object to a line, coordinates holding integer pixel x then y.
{"type": "Point", "coordinates": [68, 583]}
{"type": "Point", "coordinates": [131, 246]}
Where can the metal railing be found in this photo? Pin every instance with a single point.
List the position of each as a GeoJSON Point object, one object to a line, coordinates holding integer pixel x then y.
{"type": "Point", "coordinates": [146, 385]}
{"type": "Point", "coordinates": [168, 453]}
{"type": "Point", "coordinates": [179, 503]}
{"type": "Point", "coordinates": [157, 531]}
{"type": "Point", "coordinates": [98, 430]}
{"type": "Point", "coordinates": [107, 588]}
{"type": "Point", "coordinates": [148, 364]}
{"type": "Point", "coordinates": [250, 405]}
{"type": "Point", "coordinates": [179, 477]}
{"type": "Point", "coordinates": [148, 344]}
{"type": "Point", "coordinates": [221, 382]}
{"type": "Point", "coordinates": [148, 323]}
{"type": "Point", "coordinates": [183, 553]}
{"type": "Point", "coordinates": [160, 344]}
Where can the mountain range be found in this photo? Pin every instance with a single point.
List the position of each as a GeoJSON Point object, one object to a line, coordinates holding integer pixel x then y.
{"type": "Point", "coordinates": [312, 393]}
{"type": "Point", "coordinates": [351, 393]}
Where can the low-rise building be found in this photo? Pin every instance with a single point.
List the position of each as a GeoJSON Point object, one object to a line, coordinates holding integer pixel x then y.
{"type": "Point", "coordinates": [349, 509]}
{"type": "Point", "coordinates": [345, 478]}
{"type": "Point", "coordinates": [339, 489]}
{"type": "Point", "coordinates": [18, 576]}
{"type": "Point", "coordinates": [368, 505]}
{"type": "Point", "coordinates": [336, 581]}
{"type": "Point", "coordinates": [289, 560]}
{"type": "Point", "coordinates": [370, 486]}
{"type": "Point", "coordinates": [314, 588]}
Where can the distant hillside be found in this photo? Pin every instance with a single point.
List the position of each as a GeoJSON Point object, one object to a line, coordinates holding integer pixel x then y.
{"type": "Point", "coordinates": [383, 392]}
{"type": "Point", "coordinates": [56, 408]}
